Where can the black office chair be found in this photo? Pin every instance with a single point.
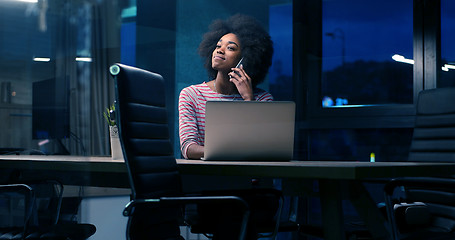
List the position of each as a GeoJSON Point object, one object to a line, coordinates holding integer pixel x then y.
{"type": "Point", "coordinates": [424, 208]}
{"type": "Point", "coordinates": [31, 211]}
{"type": "Point", "coordinates": [155, 210]}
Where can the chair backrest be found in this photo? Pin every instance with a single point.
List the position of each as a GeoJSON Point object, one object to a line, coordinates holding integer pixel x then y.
{"type": "Point", "coordinates": [434, 132]}
{"type": "Point", "coordinates": [16, 206]}
{"type": "Point", "coordinates": [27, 209]}
{"type": "Point", "coordinates": [45, 205]}
{"type": "Point", "coordinates": [48, 201]}
{"type": "Point", "coordinates": [31, 210]}
{"type": "Point", "coordinates": [141, 117]}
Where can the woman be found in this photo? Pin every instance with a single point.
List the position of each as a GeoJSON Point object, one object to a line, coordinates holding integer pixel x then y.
{"type": "Point", "coordinates": [237, 53]}
{"type": "Point", "coordinates": [239, 39]}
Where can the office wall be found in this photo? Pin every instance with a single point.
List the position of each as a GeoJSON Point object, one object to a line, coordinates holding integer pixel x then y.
{"type": "Point", "coordinates": [106, 214]}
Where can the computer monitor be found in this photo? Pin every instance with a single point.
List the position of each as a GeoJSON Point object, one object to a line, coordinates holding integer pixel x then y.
{"type": "Point", "coordinates": [50, 110]}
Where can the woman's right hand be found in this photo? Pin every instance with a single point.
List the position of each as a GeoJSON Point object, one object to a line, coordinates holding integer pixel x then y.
{"type": "Point", "coordinates": [195, 151]}
{"type": "Point", "coordinates": [242, 81]}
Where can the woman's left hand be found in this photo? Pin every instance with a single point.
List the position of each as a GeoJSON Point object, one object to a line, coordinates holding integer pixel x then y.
{"type": "Point", "coordinates": [243, 83]}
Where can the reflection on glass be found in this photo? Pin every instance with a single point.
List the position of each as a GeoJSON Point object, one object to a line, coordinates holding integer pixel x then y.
{"type": "Point", "coordinates": [358, 43]}
{"type": "Point", "coordinates": [50, 91]}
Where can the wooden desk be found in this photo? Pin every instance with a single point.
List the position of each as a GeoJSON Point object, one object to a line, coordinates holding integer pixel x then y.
{"type": "Point", "coordinates": [332, 177]}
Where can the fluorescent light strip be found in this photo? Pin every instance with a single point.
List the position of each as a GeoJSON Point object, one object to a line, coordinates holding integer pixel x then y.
{"type": "Point", "coordinates": [84, 59]}
{"type": "Point", "coordinates": [29, 1]}
{"type": "Point", "coordinates": [41, 59]}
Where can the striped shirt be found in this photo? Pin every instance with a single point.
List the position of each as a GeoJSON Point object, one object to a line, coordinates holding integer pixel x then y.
{"type": "Point", "coordinates": [191, 108]}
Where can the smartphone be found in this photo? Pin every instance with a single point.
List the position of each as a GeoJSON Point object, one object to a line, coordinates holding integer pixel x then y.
{"type": "Point", "coordinates": [238, 64]}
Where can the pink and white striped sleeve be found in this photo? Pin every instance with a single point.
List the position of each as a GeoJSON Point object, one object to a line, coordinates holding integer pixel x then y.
{"type": "Point", "coordinates": [188, 130]}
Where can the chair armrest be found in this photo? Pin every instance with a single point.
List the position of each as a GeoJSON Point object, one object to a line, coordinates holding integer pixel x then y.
{"type": "Point", "coordinates": [129, 208]}
{"type": "Point", "coordinates": [420, 182]}
{"type": "Point", "coordinates": [257, 192]}
{"type": "Point", "coordinates": [184, 200]}
{"type": "Point", "coordinates": [443, 184]}
{"type": "Point", "coordinates": [16, 188]}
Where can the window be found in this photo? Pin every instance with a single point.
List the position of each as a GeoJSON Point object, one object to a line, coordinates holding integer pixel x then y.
{"type": "Point", "coordinates": [280, 29]}
{"type": "Point", "coordinates": [447, 76]}
{"type": "Point", "coordinates": [384, 145]}
{"type": "Point", "coordinates": [366, 53]}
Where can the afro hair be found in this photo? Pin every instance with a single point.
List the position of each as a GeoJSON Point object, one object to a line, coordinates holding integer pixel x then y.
{"type": "Point", "coordinates": [255, 43]}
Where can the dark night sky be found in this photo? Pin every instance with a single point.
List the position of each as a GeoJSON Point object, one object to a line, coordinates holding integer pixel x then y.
{"type": "Point", "coordinates": [373, 30]}
{"type": "Point", "coordinates": [447, 30]}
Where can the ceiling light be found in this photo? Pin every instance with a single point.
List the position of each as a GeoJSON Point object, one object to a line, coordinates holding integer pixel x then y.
{"type": "Point", "coordinates": [41, 59]}
{"type": "Point", "coordinates": [84, 59]}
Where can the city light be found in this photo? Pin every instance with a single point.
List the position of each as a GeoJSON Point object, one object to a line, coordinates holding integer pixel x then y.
{"type": "Point", "coordinates": [402, 59]}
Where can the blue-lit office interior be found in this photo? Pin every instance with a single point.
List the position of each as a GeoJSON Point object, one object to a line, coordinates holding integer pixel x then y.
{"type": "Point", "coordinates": [353, 68]}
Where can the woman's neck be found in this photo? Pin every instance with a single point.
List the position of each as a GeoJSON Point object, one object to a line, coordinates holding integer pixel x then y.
{"type": "Point", "coordinates": [223, 85]}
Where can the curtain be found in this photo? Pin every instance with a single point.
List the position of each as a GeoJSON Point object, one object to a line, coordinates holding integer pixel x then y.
{"type": "Point", "coordinates": [83, 33]}
{"type": "Point", "coordinates": [100, 84]}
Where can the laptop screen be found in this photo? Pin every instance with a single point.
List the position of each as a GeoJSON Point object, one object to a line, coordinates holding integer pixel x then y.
{"type": "Point", "coordinates": [250, 131]}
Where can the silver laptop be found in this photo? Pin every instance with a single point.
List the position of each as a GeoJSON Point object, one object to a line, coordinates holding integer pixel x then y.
{"type": "Point", "coordinates": [249, 131]}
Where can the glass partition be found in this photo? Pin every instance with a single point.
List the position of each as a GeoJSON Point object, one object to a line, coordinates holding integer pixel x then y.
{"type": "Point", "coordinates": [55, 56]}
{"type": "Point", "coordinates": [48, 79]}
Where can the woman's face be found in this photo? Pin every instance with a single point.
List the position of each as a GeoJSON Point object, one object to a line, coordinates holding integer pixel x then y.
{"type": "Point", "coordinates": [227, 53]}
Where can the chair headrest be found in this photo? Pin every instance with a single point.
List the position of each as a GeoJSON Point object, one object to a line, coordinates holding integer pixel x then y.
{"type": "Point", "coordinates": [436, 101]}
